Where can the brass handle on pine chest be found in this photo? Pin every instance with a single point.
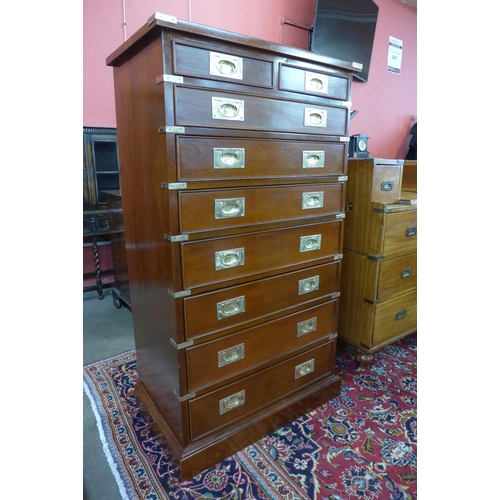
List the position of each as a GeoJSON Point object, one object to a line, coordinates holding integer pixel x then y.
{"type": "Point", "coordinates": [400, 314]}
{"type": "Point", "coordinates": [411, 231]}
{"type": "Point", "coordinates": [406, 273]}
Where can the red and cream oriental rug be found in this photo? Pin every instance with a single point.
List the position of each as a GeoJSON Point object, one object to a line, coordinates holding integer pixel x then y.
{"type": "Point", "coordinates": [360, 445]}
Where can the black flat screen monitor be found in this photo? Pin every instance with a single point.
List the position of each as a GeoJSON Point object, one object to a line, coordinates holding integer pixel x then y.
{"type": "Point", "coordinates": [345, 29]}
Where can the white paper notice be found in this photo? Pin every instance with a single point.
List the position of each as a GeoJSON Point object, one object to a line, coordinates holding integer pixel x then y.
{"type": "Point", "coordinates": [394, 55]}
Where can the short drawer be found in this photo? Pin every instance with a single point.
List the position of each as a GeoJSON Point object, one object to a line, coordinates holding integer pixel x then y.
{"type": "Point", "coordinates": [224, 158]}
{"type": "Point", "coordinates": [335, 85]}
{"type": "Point", "coordinates": [233, 354]}
{"type": "Point", "coordinates": [221, 259]}
{"type": "Point", "coordinates": [397, 276]}
{"type": "Point", "coordinates": [227, 208]}
{"type": "Point", "coordinates": [231, 67]}
{"type": "Point", "coordinates": [400, 235]}
{"type": "Point", "coordinates": [395, 317]}
{"type": "Point", "coordinates": [259, 300]}
{"type": "Point", "coordinates": [240, 399]}
{"type": "Point", "coordinates": [207, 108]}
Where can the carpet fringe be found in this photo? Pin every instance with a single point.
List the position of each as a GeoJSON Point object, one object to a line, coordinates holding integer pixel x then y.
{"type": "Point", "coordinates": [105, 445]}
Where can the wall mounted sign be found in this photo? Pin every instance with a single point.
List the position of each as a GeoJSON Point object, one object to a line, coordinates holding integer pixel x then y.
{"type": "Point", "coordinates": [394, 55]}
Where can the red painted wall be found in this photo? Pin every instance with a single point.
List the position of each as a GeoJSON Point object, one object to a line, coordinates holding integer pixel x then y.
{"type": "Point", "coordinates": [387, 103]}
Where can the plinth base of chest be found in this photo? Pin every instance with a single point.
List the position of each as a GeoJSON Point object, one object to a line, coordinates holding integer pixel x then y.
{"type": "Point", "coordinates": [206, 452]}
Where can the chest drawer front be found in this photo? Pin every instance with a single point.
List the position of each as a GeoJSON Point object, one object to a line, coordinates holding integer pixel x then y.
{"type": "Point", "coordinates": [227, 208]}
{"type": "Point", "coordinates": [233, 307]}
{"type": "Point", "coordinates": [400, 233]}
{"type": "Point", "coordinates": [240, 399]}
{"type": "Point", "coordinates": [206, 108]}
{"type": "Point", "coordinates": [230, 355]}
{"type": "Point", "coordinates": [222, 259]}
{"type": "Point", "coordinates": [319, 83]}
{"type": "Point", "coordinates": [397, 276]}
{"type": "Point", "coordinates": [395, 317]}
{"type": "Point", "coordinates": [227, 67]}
{"type": "Point", "coordinates": [221, 158]}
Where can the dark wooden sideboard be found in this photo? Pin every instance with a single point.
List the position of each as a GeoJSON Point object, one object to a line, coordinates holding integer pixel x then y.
{"type": "Point", "coordinates": [121, 288]}
{"type": "Point", "coordinates": [100, 173]}
{"type": "Point", "coordinates": [233, 153]}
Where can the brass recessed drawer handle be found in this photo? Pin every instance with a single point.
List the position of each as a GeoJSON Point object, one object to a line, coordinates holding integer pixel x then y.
{"type": "Point", "coordinates": [226, 208]}
{"type": "Point", "coordinates": [226, 65]}
{"type": "Point", "coordinates": [314, 117]}
{"type": "Point", "coordinates": [304, 368]}
{"type": "Point", "coordinates": [310, 243]}
{"type": "Point", "coordinates": [231, 307]}
{"type": "Point", "coordinates": [316, 82]}
{"type": "Point", "coordinates": [386, 185]}
{"type": "Point", "coordinates": [228, 109]}
{"type": "Point", "coordinates": [308, 285]}
{"type": "Point", "coordinates": [229, 258]}
{"type": "Point", "coordinates": [406, 273]}
{"type": "Point", "coordinates": [229, 157]}
{"type": "Point", "coordinates": [400, 314]}
{"type": "Point", "coordinates": [230, 355]}
{"type": "Point", "coordinates": [307, 326]}
{"type": "Point", "coordinates": [313, 159]}
{"type": "Point", "coordinates": [313, 200]}
{"type": "Point", "coordinates": [411, 231]}
{"type": "Point", "coordinates": [231, 402]}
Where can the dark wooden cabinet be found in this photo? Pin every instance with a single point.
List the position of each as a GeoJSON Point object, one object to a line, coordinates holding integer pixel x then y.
{"type": "Point", "coordinates": [234, 157]}
{"type": "Point", "coordinates": [121, 289]}
{"type": "Point", "coordinates": [100, 173]}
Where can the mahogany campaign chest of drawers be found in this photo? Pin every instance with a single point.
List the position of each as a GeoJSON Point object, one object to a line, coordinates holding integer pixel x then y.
{"type": "Point", "coordinates": [233, 156]}
{"type": "Point", "coordinates": [379, 277]}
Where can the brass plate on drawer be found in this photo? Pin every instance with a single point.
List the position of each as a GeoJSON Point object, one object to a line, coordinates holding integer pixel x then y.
{"type": "Point", "coordinates": [226, 65]}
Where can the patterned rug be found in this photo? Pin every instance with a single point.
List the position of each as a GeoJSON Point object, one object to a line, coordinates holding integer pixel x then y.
{"type": "Point", "coordinates": [361, 445]}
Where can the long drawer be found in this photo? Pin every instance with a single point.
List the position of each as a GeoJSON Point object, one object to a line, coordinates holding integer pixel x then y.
{"type": "Point", "coordinates": [225, 208]}
{"type": "Point", "coordinates": [233, 354]}
{"type": "Point", "coordinates": [210, 108]}
{"type": "Point", "coordinates": [223, 158]}
{"type": "Point", "coordinates": [395, 317]}
{"type": "Point", "coordinates": [240, 399]}
{"type": "Point", "coordinates": [221, 259]}
{"type": "Point", "coordinates": [257, 301]}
